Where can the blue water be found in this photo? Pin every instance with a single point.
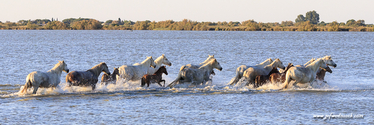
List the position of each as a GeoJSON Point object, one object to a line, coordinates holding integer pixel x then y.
{"type": "Point", "coordinates": [349, 89]}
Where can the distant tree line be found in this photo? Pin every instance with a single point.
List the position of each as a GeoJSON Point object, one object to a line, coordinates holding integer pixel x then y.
{"type": "Point", "coordinates": [309, 22]}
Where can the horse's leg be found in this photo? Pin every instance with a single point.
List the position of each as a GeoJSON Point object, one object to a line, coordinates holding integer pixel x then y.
{"type": "Point", "coordinates": [35, 89]}
{"type": "Point", "coordinates": [69, 82]}
{"type": "Point", "coordinates": [257, 81]}
{"type": "Point", "coordinates": [93, 86]}
{"type": "Point", "coordinates": [142, 82]}
{"type": "Point", "coordinates": [159, 83]}
{"type": "Point", "coordinates": [235, 79]}
{"type": "Point", "coordinates": [286, 82]}
{"type": "Point", "coordinates": [250, 81]}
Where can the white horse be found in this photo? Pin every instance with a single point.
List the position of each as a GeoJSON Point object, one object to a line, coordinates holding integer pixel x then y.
{"type": "Point", "coordinates": [51, 78]}
{"type": "Point", "coordinates": [159, 61]}
{"type": "Point", "coordinates": [307, 74]}
{"type": "Point", "coordinates": [136, 71]}
{"type": "Point", "coordinates": [210, 57]}
{"type": "Point", "coordinates": [251, 73]}
{"type": "Point", "coordinates": [197, 76]}
{"type": "Point", "coordinates": [240, 70]}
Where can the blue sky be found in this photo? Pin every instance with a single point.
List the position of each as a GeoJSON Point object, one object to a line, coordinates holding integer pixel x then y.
{"type": "Point", "coordinates": [196, 10]}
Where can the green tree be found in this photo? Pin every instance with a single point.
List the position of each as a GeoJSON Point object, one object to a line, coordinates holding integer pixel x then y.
{"type": "Point", "coordinates": [286, 23]}
{"type": "Point", "coordinates": [31, 25]}
{"type": "Point", "coordinates": [300, 18]}
{"type": "Point", "coordinates": [306, 26]}
{"type": "Point", "coordinates": [91, 24]}
{"type": "Point", "coordinates": [322, 23]}
{"type": "Point", "coordinates": [334, 26]}
{"type": "Point", "coordinates": [351, 22]}
{"type": "Point", "coordinates": [312, 17]}
{"type": "Point", "coordinates": [23, 22]}
{"type": "Point", "coordinates": [56, 25]}
{"type": "Point", "coordinates": [360, 22]}
{"type": "Point", "coordinates": [72, 20]}
{"type": "Point", "coordinates": [141, 25]}
{"type": "Point", "coordinates": [108, 22]}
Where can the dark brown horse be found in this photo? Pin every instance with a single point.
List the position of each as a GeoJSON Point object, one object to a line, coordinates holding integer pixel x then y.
{"type": "Point", "coordinates": [86, 78]}
{"type": "Point", "coordinates": [280, 77]}
{"type": "Point", "coordinates": [106, 79]}
{"type": "Point", "coordinates": [262, 79]}
{"type": "Point", "coordinates": [155, 78]}
{"type": "Point", "coordinates": [322, 72]}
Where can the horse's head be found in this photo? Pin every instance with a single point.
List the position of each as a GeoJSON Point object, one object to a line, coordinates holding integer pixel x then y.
{"type": "Point", "coordinates": [152, 62]}
{"type": "Point", "coordinates": [327, 69]}
{"type": "Point", "coordinates": [328, 61]}
{"type": "Point", "coordinates": [104, 68]}
{"type": "Point", "coordinates": [64, 66]}
{"type": "Point", "coordinates": [115, 71]}
{"type": "Point", "coordinates": [163, 68]}
{"type": "Point", "coordinates": [279, 64]}
{"type": "Point", "coordinates": [165, 60]}
{"type": "Point", "coordinates": [216, 65]}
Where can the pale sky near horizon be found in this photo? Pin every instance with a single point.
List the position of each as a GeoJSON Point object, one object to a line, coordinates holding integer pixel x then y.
{"type": "Point", "coordinates": [195, 10]}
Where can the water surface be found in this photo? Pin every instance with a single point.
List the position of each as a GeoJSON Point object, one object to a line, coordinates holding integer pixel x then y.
{"type": "Point", "coordinates": [349, 88]}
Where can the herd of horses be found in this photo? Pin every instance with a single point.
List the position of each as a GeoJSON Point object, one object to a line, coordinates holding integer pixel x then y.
{"type": "Point", "coordinates": [150, 71]}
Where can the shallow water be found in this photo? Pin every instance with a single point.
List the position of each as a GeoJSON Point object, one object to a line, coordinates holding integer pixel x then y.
{"type": "Point", "coordinates": [349, 89]}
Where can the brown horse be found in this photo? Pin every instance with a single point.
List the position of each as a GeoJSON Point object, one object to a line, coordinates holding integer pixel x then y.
{"type": "Point", "coordinates": [322, 72]}
{"type": "Point", "coordinates": [157, 77]}
{"type": "Point", "coordinates": [87, 78]}
{"type": "Point", "coordinates": [106, 79]}
{"type": "Point", "coordinates": [280, 77]}
{"type": "Point", "coordinates": [262, 79]}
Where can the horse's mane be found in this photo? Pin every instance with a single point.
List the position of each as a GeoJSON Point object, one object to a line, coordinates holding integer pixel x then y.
{"type": "Point", "coordinates": [210, 57]}
{"type": "Point", "coordinates": [266, 61]}
{"type": "Point", "coordinates": [146, 60]}
{"type": "Point", "coordinates": [95, 68]}
{"type": "Point", "coordinates": [327, 58]}
{"type": "Point", "coordinates": [310, 61]}
{"type": "Point", "coordinates": [271, 64]}
{"type": "Point", "coordinates": [314, 63]}
{"type": "Point", "coordinates": [57, 66]}
{"type": "Point", "coordinates": [159, 58]}
{"type": "Point", "coordinates": [208, 63]}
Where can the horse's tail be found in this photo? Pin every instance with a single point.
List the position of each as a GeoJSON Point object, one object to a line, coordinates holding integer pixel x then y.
{"type": "Point", "coordinates": [178, 77]}
{"type": "Point", "coordinates": [235, 79]}
{"type": "Point", "coordinates": [176, 80]}
{"type": "Point", "coordinates": [28, 84]}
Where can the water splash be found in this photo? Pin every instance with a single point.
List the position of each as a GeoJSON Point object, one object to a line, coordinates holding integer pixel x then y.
{"type": "Point", "coordinates": [134, 86]}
